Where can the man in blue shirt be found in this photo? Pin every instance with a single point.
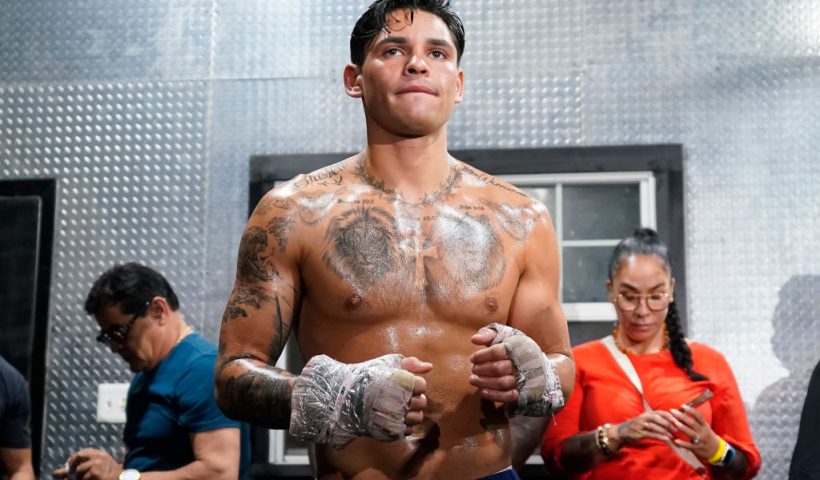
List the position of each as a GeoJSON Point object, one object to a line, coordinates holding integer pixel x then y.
{"type": "Point", "coordinates": [15, 438]}
{"type": "Point", "coordinates": [173, 427]}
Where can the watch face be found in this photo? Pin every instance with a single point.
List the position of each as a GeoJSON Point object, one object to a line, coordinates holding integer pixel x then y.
{"type": "Point", "coordinates": [130, 474]}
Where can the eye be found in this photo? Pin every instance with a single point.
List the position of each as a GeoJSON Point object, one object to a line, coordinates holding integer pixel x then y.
{"type": "Point", "coordinates": [393, 51]}
{"type": "Point", "coordinates": [629, 297]}
{"type": "Point", "coordinates": [657, 296]}
{"type": "Point", "coordinates": [438, 54]}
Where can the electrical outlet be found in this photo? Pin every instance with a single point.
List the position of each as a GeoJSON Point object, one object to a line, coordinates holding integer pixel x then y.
{"type": "Point", "coordinates": [111, 398]}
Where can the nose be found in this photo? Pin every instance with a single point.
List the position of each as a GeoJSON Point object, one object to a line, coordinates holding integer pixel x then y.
{"type": "Point", "coordinates": [643, 306]}
{"type": "Point", "coordinates": [416, 65]}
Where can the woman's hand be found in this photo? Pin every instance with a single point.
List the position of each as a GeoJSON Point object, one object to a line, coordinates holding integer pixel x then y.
{"type": "Point", "coordinates": [702, 441]}
{"type": "Point", "coordinates": [655, 424]}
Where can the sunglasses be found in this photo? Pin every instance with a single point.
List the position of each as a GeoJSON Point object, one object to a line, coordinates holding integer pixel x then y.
{"type": "Point", "coordinates": [119, 333]}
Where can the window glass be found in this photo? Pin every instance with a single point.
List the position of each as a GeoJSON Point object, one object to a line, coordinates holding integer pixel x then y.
{"type": "Point", "coordinates": [600, 211]}
{"type": "Point", "coordinates": [585, 274]}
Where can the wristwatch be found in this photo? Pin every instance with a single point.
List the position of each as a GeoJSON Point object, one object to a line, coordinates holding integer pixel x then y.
{"type": "Point", "coordinates": [129, 474]}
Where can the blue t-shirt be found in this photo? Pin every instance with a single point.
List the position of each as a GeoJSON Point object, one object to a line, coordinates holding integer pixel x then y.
{"type": "Point", "coordinates": [167, 404]}
{"type": "Point", "coordinates": [14, 408]}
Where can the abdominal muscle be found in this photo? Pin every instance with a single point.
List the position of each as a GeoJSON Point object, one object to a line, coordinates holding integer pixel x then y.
{"type": "Point", "coordinates": [462, 435]}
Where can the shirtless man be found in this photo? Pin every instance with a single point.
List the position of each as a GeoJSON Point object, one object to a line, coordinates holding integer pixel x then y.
{"type": "Point", "coordinates": [422, 292]}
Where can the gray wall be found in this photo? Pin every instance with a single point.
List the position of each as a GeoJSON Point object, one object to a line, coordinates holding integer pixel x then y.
{"type": "Point", "coordinates": [147, 113]}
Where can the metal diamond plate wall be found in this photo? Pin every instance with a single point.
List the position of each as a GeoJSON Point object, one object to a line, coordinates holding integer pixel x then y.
{"type": "Point", "coordinates": [129, 159]}
{"type": "Point", "coordinates": [147, 113]}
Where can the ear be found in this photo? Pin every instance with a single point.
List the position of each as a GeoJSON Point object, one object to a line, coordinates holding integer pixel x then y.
{"type": "Point", "coordinates": [460, 82]}
{"type": "Point", "coordinates": [352, 80]}
{"type": "Point", "coordinates": [609, 290]}
{"type": "Point", "coordinates": [159, 309]}
{"type": "Point", "coordinates": [672, 290]}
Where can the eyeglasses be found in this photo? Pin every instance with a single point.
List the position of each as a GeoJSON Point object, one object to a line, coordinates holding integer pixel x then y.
{"type": "Point", "coordinates": [119, 333]}
{"type": "Point", "coordinates": [654, 301]}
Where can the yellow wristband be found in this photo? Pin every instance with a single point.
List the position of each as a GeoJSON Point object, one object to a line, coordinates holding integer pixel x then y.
{"type": "Point", "coordinates": [721, 451]}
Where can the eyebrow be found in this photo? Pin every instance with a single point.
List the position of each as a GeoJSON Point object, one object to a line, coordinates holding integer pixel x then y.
{"type": "Point", "coordinates": [438, 42]}
{"type": "Point", "coordinates": [626, 285]}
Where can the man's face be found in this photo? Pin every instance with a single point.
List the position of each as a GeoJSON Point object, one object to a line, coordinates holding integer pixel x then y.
{"type": "Point", "coordinates": [127, 336]}
{"type": "Point", "coordinates": [410, 79]}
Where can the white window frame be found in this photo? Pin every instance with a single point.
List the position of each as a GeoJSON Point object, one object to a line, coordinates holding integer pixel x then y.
{"type": "Point", "coordinates": [590, 311]}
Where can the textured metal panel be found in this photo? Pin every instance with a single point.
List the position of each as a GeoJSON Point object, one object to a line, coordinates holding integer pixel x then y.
{"type": "Point", "coordinates": [79, 40]}
{"type": "Point", "coordinates": [283, 38]}
{"type": "Point", "coordinates": [158, 171]}
{"type": "Point", "coordinates": [130, 164]}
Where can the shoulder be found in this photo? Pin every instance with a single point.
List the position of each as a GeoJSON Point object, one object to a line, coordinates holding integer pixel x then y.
{"type": "Point", "coordinates": [11, 380]}
{"type": "Point", "coordinates": [708, 360]}
{"type": "Point", "coordinates": [494, 187]}
{"type": "Point", "coordinates": [196, 352]}
{"type": "Point", "coordinates": [518, 212]}
{"type": "Point", "coordinates": [593, 350]}
{"type": "Point", "coordinates": [300, 190]}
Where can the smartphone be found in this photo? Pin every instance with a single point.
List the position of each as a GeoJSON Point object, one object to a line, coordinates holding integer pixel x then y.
{"type": "Point", "coordinates": [706, 395]}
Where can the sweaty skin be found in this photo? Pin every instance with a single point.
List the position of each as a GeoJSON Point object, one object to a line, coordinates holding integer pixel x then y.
{"type": "Point", "coordinates": [358, 272]}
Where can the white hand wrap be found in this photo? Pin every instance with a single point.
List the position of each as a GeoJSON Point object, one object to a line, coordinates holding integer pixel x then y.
{"type": "Point", "coordinates": [334, 402]}
{"type": "Point", "coordinates": [539, 388]}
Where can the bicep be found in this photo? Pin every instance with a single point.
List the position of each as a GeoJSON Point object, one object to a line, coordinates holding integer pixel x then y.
{"type": "Point", "coordinates": [535, 309]}
{"type": "Point", "coordinates": [218, 449]}
{"type": "Point", "coordinates": [262, 305]}
{"type": "Point", "coordinates": [16, 460]}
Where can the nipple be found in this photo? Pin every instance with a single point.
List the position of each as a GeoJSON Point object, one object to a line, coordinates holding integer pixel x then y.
{"type": "Point", "coordinates": [491, 303]}
{"type": "Point", "coordinates": [353, 302]}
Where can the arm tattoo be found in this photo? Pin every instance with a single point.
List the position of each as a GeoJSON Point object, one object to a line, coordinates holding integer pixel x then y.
{"type": "Point", "coordinates": [254, 264]}
{"type": "Point", "coordinates": [278, 227]}
{"type": "Point", "coordinates": [246, 297]}
{"type": "Point", "coordinates": [260, 395]}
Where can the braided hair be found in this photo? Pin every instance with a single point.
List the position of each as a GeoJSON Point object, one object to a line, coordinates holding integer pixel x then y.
{"type": "Point", "coordinates": [645, 241]}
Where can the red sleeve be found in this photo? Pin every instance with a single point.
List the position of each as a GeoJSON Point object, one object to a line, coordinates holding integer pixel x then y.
{"type": "Point", "coordinates": [729, 418]}
{"type": "Point", "coordinates": [565, 424]}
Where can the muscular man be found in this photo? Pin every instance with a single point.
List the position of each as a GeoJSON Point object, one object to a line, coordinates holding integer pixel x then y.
{"type": "Point", "coordinates": [173, 428]}
{"type": "Point", "coordinates": [15, 438]}
{"type": "Point", "coordinates": [422, 291]}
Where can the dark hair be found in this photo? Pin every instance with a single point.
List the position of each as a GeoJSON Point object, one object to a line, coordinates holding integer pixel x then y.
{"type": "Point", "coordinates": [131, 286]}
{"type": "Point", "coordinates": [374, 20]}
{"type": "Point", "coordinates": [646, 241]}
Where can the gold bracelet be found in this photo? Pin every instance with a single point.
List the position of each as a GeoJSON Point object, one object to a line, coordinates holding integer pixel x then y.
{"type": "Point", "coordinates": [721, 451]}
{"type": "Point", "coordinates": [602, 439]}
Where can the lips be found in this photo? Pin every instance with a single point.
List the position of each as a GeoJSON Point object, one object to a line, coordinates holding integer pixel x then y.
{"type": "Point", "coordinates": [417, 89]}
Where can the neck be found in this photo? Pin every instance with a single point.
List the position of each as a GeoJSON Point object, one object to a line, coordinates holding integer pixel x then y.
{"type": "Point", "coordinates": [652, 345]}
{"type": "Point", "coordinates": [177, 329]}
{"type": "Point", "coordinates": [411, 168]}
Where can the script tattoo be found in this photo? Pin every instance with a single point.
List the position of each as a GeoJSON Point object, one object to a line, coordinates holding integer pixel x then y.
{"type": "Point", "coordinates": [362, 246]}
{"type": "Point", "coordinates": [327, 176]}
{"type": "Point", "coordinates": [490, 180]}
{"type": "Point", "coordinates": [254, 264]}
